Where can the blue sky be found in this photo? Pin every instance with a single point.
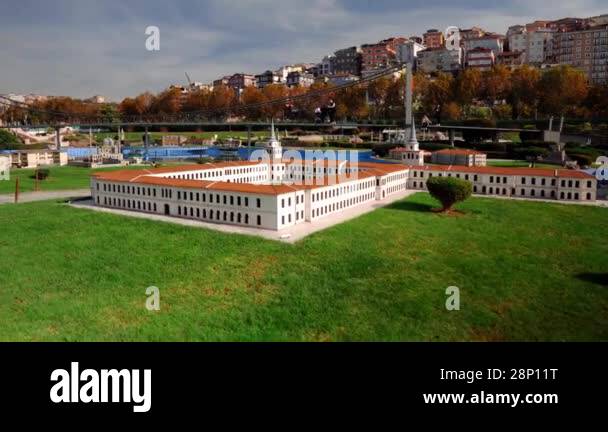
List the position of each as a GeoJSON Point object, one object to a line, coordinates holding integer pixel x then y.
{"type": "Point", "coordinates": [86, 47]}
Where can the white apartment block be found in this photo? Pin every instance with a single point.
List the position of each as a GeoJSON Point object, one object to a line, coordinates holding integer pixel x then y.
{"type": "Point", "coordinates": [36, 158]}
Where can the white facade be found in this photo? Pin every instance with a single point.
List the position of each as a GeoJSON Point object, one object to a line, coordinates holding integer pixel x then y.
{"type": "Point", "coordinates": [537, 44]}
{"type": "Point", "coordinates": [274, 193]}
{"type": "Point", "coordinates": [560, 185]}
{"type": "Point", "coordinates": [439, 60]}
{"type": "Point", "coordinates": [36, 158]}
{"type": "Point", "coordinates": [5, 167]}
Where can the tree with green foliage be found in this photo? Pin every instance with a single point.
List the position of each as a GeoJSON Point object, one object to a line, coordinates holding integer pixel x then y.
{"type": "Point", "coordinates": [8, 141]}
{"type": "Point", "coordinates": [449, 191]}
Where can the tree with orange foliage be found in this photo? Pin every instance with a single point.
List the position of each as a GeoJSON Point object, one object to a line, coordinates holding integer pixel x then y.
{"type": "Point", "coordinates": [497, 84]}
{"type": "Point", "coordinates": [273, 92]}
{"type": "Point", "coordinates": [523, 96]}
{"type": "Point", "coordinates": [468, 87]}
{"type": "Point", "coordinates": [562, 90]}
{"type": "Point", "coordinates": [252, 96]}
{"type": "Point", "coordinates": [221, 99]}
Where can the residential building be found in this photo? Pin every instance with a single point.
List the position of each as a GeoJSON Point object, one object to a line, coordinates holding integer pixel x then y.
{"type": "Point", "coordinates": [407, 52]}
{"type": "Point", "coordinates": [439, 60]}
{"type": "Point", "coordinates": [601, 20]}
{"type": "Point", "coordinates": [324, 68]}
{"type": "Point", "coordinates": [267, 78]}
{"type": "Point", "coordinates": [538, 45]}
{"type": "Point", "coordinates": [346, 61]}
{"type": "Point", "coordinates": [510, 59]}
{"type": "Point", "coordinates": [517, 37]}
{"type": "Point", "coordinates": [472, 33]}
{"type": "Point", "coordinates": [433, 39]}
{"type": "Point", "coordinates": [381, 55]}
{"type": "Point", "coordinates": [537, 25]}
{"type": "Point", "coordinates": [463, 157]}
{"type": "Point", "coordinates": [241, 81]}
{"type": "Point", "coordinates": [300, 79]}
{"type": "Point", "coordinates": [584, 49]}
{"type": "Point", "coordinates": [568, 24]}
{"type": "Point", "coordinates": [36, 158]}
{"type": "Point", "coordinates": [490, 41]}
{"type": "Point", "coordinates": [480, 58]}
{"type": "Point", "coordinates": [222, 81]}
{"type": "Point", "coordinates": [533, 40]}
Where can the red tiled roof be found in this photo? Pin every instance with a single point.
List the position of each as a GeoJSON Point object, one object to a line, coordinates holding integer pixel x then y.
{"type": "Point", "coordinates": [148, 177]}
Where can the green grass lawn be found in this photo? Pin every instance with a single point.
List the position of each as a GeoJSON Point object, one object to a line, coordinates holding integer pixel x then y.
{"type": "Point", "coordinates": [527, 271]}
{"type": "Point", "coordinates": [520, 164]}
{"type": "Point", "coordinates": [60, 178]}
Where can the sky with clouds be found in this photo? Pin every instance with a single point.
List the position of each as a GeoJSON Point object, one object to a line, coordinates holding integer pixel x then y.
{"type": "Point", "coordinates": [85, 47]}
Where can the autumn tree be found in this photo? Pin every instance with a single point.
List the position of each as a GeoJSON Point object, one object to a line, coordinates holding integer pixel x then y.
{"type": "Point", "coordinates": [221, 99]}
{"type": "Point", "coordinates": [274, 92]}
{"type": "Point", "coordinates": [168, 102]}
{"type": "Point", "coordinates": [497, 84]}
{"type": "Point", "coordinates": [253, 96]}
{"type": "Point", "coordinates": [523, 96]}
{"type": "Point", "coordinates": [562, 89]}
{"type": "Point", "coordinates": [468, 87]}
{"type": "Point", "coordinates": [435, 94]}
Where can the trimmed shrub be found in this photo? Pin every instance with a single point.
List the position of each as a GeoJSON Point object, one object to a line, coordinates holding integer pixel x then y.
{"type": "Point", "coordinates": [42, 174]}
{"type": "Point", "coordinates": [449, 191]}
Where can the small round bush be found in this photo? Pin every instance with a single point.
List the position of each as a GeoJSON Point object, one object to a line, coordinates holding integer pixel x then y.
{"type": "Point", "coordinates": [449, 191]}
{"type": "Point", "coordinates": [42, 174]}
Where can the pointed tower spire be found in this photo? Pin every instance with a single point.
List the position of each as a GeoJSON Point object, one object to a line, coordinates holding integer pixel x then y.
{"type": "Point", "coordinates": [272, 136]}
{"type": "Point", "coordinates": [413, 142]}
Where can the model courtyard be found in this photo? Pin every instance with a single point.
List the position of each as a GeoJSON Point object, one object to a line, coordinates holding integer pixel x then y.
{"type": "Point", "coordinates": [526, 271]}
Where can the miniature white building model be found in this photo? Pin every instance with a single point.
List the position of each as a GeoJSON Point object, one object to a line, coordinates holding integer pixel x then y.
{"type": "Point", "coordinates": [5, 167]}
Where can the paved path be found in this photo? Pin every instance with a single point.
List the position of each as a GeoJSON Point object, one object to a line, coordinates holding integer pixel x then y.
{"type": "Point", "coordinates": [288, 235]}
{"type": "Point", "coordinates": [25, 197]}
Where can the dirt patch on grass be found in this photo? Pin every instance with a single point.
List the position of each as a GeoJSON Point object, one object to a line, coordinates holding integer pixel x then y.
{"type": "Point", "coordinates": [490, 334]}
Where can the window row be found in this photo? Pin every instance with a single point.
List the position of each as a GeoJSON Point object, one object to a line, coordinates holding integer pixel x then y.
{"type": "Point", "coordinates": [217, 199]}
{"type": "Point", "coordinates": [323, 210]}
{"type": "Point", "coordinates": [218, 215]}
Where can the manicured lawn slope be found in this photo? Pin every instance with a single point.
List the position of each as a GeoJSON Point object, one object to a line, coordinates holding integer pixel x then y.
{"type": "Point", "coordinates": [61, 178]}
{"type": "Point", "coordinates": [527, 271]}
